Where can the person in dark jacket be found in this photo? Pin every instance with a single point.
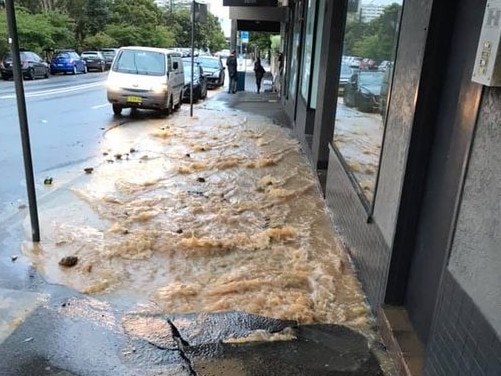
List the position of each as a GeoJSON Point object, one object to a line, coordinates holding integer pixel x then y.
{"type": "Point", "coordinates": [231, 64]}
{"type": "Point", "coordinates": [259, 72]}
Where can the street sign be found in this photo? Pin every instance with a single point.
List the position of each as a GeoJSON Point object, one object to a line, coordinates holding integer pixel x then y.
{"type": "Point", "coordinates": [244, 36]}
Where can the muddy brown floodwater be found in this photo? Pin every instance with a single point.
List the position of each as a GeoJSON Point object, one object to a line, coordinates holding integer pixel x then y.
{"type": "Point", "coordinates": [216, 212]}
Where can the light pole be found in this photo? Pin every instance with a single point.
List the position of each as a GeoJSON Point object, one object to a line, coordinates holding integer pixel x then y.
{"type": "Point", "coordinates": [23, 119]}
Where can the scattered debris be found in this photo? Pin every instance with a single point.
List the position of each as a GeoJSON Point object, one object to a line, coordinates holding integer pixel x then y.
{"type": "Point", "coordinates": [22, 206]}
{"type": "Point", "coordinates": [132, 150]}
{"type": "Point", "coordinates": [180, 231]}
{"type": "Point", "coordinates": [13, 258]}
{"type": "Point", "coordinates": [201, 180]}
{"type": "Point", "coordinates": [118, 156]}
{"type": "Point", "coordinates": [68, 261]}
{"type": "Point", "coordinates": [105, 153]}
{"type": "Point", "coordinates": [188, 155]}
{"type": "Point", "coordinates": [47, 181]}
{"type": "Point", "coordinates": [29, 339]}
{"type": "Point", "coordinates": [88, 170]}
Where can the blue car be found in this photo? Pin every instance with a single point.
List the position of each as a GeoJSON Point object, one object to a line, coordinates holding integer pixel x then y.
{"type": "Point", "coordinates": [67, 61]}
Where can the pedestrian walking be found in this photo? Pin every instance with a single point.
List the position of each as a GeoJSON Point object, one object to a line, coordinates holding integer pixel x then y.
{"type": "Point", "coordinates": [259, 72]}
{"type": "Point", "coordinates": [231, 64]}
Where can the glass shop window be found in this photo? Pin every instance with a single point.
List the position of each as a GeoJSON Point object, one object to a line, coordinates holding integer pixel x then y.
{"type": "Point", "coordinates": [366, 71]}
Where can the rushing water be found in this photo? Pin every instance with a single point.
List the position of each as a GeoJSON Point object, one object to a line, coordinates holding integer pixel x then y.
{"type": "Point", "coordinates": [216, 212]}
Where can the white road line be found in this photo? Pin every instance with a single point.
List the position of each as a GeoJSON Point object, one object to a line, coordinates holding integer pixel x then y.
{"type": "Point", "coordinates": [100, 106]}
{"type": "Point", "coordinates": [55, 91]}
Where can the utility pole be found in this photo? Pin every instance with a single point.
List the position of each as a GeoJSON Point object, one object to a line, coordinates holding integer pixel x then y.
{"type": "Point", "coordinates": [23, 119]}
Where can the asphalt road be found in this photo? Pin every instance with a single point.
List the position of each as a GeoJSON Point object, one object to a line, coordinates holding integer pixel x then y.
{"type": "Point", "coordinates": [66, 116]}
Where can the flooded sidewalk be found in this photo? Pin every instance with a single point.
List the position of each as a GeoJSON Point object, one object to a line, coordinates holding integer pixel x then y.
{"type": "Point", "coordinates": [204, 215]}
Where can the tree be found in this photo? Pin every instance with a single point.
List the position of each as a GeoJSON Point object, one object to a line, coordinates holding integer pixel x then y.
{"type": "Point", "coordinates": [98, 13]}
{"type": "Point", "coordinates": [259, 40]}
{"type": "Point", "coordinates": [98, 41]}
{"type": "Point", "coordinates": [375, 39]}
{"type": "Point", "coordinates": [38, 32]}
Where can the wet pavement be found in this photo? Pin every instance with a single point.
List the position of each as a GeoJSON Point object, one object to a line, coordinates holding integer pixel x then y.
{"type": "Point", "coordinates": [229, 269]}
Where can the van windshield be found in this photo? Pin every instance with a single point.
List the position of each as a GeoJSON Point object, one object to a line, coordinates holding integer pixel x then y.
{"type": "Point", "coordinates": [140, 62]}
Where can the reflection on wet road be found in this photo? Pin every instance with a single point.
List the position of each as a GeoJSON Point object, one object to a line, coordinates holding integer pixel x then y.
{"type": "Point", "coordinates": [358, 136]}
{"type": "Point", "coordinates": [216, 212]}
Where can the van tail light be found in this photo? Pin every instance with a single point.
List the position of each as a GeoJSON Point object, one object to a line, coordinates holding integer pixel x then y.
{"type": "Point", "coordinates": [24, 64]}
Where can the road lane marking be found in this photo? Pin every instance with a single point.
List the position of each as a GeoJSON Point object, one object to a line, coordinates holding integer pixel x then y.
{"type": "Point", "coordinates": [56, 91]}
{"type": "Point", "coordinates": [100, 106]}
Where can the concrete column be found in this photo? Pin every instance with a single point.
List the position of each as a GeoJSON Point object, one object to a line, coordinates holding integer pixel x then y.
{"type": "Point", "coordinates": [233, 36]}
{"type": "Point", "coordinates": [330, 55]}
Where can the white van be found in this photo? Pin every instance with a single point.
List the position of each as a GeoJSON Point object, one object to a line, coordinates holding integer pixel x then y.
{"type": "Point", "coordinates": [146, 77]}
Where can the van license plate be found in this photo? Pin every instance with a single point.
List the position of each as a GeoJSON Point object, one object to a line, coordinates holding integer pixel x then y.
{"type": "Point", "coordinates": [132, 99]}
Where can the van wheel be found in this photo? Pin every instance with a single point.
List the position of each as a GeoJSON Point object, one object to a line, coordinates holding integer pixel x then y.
{"type": "Point", "coordinates": [169, 109]}
{"type": "Point", "coordinates": [178, 105]}
{"type": "Point", "coordinates": [117, 109]}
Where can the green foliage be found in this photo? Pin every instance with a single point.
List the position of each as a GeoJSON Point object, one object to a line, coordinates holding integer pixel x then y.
{"type": "Point", "coordinates": [206, 36]}
{"type": "Point", "coordinates": [84, 24]}
{"type": "Point", "coordinates": [375, 39]}
{"type": "Point", "coordinates": [259, 40]}
{"type": "Point", "coordinates": [38, 32]}
{"type": "Point", "coordinates": [275, 43]}
{"type": "Point", "coordinates": [99, 41]}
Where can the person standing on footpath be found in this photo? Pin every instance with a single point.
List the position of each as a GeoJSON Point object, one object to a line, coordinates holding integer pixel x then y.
{"type": "Point", "coordinates": [231, 64]}
{"type": "Point", "coordinates": [259, 72]}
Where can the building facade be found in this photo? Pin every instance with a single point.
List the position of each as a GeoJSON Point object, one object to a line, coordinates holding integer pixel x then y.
{"type": "Point", "coordinates": [409, 156]}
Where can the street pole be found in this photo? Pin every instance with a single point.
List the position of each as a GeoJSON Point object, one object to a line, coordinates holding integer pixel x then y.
{"type": "Point", "coordinates": [192, 54]}
{"type": "Point", "coordinates": [23, 119]}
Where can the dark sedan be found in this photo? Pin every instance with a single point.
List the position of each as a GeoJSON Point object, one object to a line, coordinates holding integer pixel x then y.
{"type": "Point", "coordinates": [199, 82]}
{"type": "Point", "coordinates": [213, 70]}
{"type": "Point", "coordinates": [94, 60]}
{"type": "Point", "coordinates": [109, 55]}
{"type": "Point", "coordinates": [32, 66]}
{"type": "Point", "coordinates": [364, 91]}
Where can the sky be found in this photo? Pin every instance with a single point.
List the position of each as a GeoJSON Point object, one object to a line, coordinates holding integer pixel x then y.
{"type": "Point", "coordinates": [217, 8]}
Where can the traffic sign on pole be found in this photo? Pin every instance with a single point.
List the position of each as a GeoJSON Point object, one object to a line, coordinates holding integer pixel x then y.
{"type": "Point", "coordinates": [244, 36]}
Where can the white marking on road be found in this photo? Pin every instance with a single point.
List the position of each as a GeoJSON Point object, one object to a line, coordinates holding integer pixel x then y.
{"type": "Point", "coordinates": [100, 106]}
{"type": "Point", "coordinates": [61, 90]}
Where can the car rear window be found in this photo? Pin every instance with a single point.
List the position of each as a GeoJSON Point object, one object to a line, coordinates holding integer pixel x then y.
{"type": "Point", "coordinates": [62, 55]}
{"type": "Point", "coordinates": [210, 63]}
{"type": "Point", "coordinates": [140, 62]}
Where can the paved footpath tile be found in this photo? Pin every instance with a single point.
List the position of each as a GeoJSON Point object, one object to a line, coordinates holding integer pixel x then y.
{"type": "Point", "coordinates": [15, 306]}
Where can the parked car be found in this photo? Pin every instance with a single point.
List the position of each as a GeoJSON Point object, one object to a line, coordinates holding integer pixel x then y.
{"type": "Point", "coordinates": [385, 65]}
{"type": "Point", "coordinates": [199, 82]}
{"type": "Point", "coordinates": [146, 77]}
{"type": "Point", "coordinates": [364, 91]}
{"type": "Point", "coordinates": [109, 55]}
{"type": "Point", "coordinates": [94, 60]}
{"type": "Point", "coordinates": [67, 61]}
{"type": "Point", "coordinates": [213, 70]}
{"type": "Point", "coordinates": [32, 66]}
{"type": "Point", "coordinates": [344, 77]}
